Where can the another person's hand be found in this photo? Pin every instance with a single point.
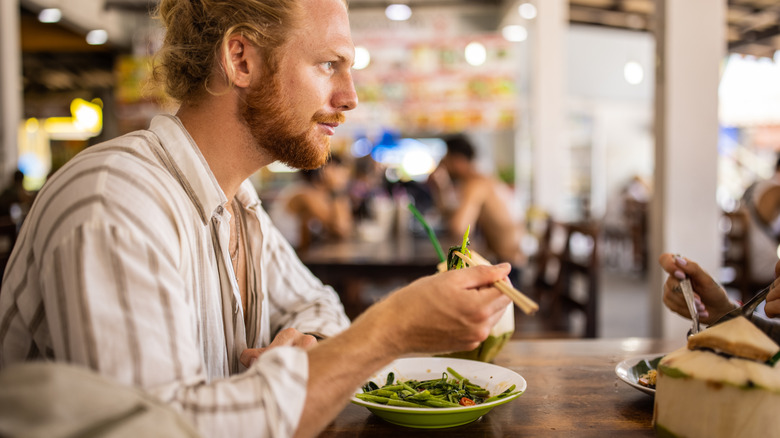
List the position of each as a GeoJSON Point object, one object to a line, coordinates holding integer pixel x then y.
{"type": "Point", "coordinates": [772, 307]}
{"type": "Point", "coordinates": [712, 302]}
{"type": "Point", "coordinates": [287, 337]}
{"type": "Point", "coordinates": [451, 311]}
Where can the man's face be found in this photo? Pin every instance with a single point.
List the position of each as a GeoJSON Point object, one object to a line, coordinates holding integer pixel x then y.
{"type": "Point", "coordinates": [293, 114]}
{"type": "Point", "coordinates": [456, 165]}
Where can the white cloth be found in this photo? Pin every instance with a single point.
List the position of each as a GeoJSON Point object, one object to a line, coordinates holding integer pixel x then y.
{"type": "Point", "coordinates": [56, 400]}
{"type": "Point", "coordinates": [122, 266]}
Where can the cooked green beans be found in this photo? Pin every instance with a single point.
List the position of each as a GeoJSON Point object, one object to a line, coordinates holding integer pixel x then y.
{"type": "Point", "coordinates": [451, 390]}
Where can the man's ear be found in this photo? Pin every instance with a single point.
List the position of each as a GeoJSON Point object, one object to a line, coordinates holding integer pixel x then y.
{"type": "Point", "coordinates": [241, 60]}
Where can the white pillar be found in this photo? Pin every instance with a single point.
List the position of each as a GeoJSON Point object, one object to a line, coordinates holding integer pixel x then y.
{"type": "Point", "coordinates": [684, 210]}
{"type": "Point", "coordinates": [10, 87]}
{"type": "Point", "coordinates": [548, 107]}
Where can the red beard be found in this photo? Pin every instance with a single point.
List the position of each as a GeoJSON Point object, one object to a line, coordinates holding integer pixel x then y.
{"type": "Point", "coordinates": [275, 130]}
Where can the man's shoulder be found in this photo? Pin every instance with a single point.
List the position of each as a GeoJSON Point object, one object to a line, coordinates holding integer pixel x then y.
{"type": "Point", "coordinates": [126, 159]}
{"type": "Point", "coordinates": [479, 182]}
{"type": "Point", "coordinates": [120, 178]}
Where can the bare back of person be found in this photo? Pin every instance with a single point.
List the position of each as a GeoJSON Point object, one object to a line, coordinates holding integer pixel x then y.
{"type": "Point", "coordinates": [481, 203]}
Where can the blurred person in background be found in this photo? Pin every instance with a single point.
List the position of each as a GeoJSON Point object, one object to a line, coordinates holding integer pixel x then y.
{"type": "Point", "coordinates": [15, 200]}
{"type": "Point", "coordinates": [317, 208]}
{"type": "Point", "coordinates": [367, 182]}
{"type": "Point", "coordinates": [466, 197]}
{"type": "Point", "coordinates": [149, 261]}
{"type": "Point", "coordinates": [762, 202]}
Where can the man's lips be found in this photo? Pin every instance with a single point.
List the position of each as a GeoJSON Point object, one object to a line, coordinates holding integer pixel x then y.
{"type": "Point", "coordinates": [330, 128]}
{"type": "Point", "coordinates": [329, 122]}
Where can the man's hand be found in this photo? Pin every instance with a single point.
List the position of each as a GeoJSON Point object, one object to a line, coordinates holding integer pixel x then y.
{"type": "Point", "coordinates": [712, 302]}
{"type": "Point", "coordinates": [451, 311]}
{"type": "Point", "coordinates": [287, 337]}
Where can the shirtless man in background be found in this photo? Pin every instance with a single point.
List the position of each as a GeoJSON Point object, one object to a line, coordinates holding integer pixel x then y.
{"type": "Point", "coordinates": [466, 197]}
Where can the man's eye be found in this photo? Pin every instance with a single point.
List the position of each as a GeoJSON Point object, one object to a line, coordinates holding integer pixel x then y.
{"type": "Point", "coordinates": [328, 65]}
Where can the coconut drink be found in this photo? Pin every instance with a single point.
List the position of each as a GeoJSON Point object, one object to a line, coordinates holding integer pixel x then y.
{"type": "Point", "coordinates": [461, 257]}
{"type": "Point", "coordinates": [492, 345]}
{"type": "Point", "coordinates": [724, 383]}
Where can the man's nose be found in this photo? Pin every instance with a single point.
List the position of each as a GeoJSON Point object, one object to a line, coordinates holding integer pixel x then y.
{"type": "Point", "coordinates": [345, 97]}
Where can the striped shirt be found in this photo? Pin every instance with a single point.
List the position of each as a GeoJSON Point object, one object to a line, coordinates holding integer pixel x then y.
{"type": "Point", "coordinates": [123, 266]}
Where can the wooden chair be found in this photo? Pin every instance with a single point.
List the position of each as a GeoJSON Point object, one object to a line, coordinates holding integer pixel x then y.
{"type": "Point", "coordinates": [566, 281]}
{"type": "Point", "coordinates": [576, 288]}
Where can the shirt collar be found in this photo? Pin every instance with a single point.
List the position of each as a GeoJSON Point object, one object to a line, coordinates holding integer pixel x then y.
{"type": "Point", "coordinates": [191, 169]}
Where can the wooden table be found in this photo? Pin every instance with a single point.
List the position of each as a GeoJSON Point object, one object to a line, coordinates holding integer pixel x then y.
{"type": "Point", "coordinates": [572, 392]}
{"type": "Point", "coordinates": [349, 265]}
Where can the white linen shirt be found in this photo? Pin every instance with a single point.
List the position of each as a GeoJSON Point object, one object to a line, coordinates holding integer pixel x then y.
{"type": "Point", "coordinates": [122, 266]}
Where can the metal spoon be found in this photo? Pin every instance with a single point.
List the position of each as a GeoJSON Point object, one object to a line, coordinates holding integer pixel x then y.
{"type": "Point", "coordinates": [687, 291]}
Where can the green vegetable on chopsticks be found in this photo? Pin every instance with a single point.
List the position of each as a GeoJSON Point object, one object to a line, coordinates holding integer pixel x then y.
{"type": "Point", "coordinates": [454, 262]}
{"type": "Point", "coordinates": [449, 391]}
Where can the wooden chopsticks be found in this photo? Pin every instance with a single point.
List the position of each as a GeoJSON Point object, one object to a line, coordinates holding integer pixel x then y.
{"type": "Point", "coordinates": [527, 305]}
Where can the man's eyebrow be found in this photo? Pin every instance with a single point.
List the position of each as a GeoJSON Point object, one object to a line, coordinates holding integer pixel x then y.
{"type": "Point", "coordinates": [344, 58]}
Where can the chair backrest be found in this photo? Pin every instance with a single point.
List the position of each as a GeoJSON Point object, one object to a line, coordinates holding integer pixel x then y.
{"type": "Point", "coordinates": [567, 276]}
{"type": "Point", "coordinates": [577, 288]}
{"type": "Point", "coordinates": [551, 248]}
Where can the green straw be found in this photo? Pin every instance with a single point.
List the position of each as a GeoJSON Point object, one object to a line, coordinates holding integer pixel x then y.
{"type": "Point", "coordinates": [431, 234]}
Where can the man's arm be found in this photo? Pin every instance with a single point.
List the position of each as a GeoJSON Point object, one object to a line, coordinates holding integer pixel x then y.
{"type": "Point", "coordinates": [451, 311]}
{"type": "Point", "coordinates": [472, 197]}
{"type": "Point", "coordinates": [118, 305]}
{"type": "Point", "coordinates": [297, 299]}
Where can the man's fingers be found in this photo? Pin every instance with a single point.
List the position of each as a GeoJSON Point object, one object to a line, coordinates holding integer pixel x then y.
{"type": "Point", "coordinates": [478, 276]}
{"type": "Point", "coordinates": [250, 355]}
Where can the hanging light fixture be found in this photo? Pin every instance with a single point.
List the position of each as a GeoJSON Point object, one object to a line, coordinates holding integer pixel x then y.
{"type": "Point", "coordinates": [398, 12]}
{"type": "Point", "coordinates": [50, 15]}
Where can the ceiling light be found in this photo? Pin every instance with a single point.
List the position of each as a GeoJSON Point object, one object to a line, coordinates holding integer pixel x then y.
{"type": "Point", "coordinates": [514, 33]}
{"type": "Point", "coordinates": [362, 58]}
{"type": "Point", "coordinates": [50, 15]}
{"type": "Point", "coordinates": [633, 72]}
{"type": "Point", "coordinates": [398, 12]}
{"type": "Point", "coordinates": [527, 11]}
{"type": "Point", "coordinates": [97, 37]}
{"type": "Point", "coordinates": [476, 54]}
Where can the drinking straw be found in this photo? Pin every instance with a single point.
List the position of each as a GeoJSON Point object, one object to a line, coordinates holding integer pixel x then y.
{"type": "Point", "coordinates": [429, 230]}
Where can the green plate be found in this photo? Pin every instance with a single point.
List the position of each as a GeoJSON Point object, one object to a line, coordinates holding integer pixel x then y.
{"type": "Point", "coordinates": [630, 370]}
{"type": "Point", "coordinates": [491, 377]}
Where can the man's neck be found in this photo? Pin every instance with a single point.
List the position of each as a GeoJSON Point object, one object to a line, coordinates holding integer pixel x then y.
{"type": "Point", "coordinates": [223, 139]}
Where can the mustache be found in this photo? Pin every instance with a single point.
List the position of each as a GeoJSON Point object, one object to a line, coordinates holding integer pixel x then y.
{"type": "Point", "coordinates": [330, 118]}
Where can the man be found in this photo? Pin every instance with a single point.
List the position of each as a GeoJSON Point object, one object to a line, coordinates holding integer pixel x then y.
{"type": "Point", "coordinates": [149, 259]}
{"type": "Point", "coordinates": [466, 198]}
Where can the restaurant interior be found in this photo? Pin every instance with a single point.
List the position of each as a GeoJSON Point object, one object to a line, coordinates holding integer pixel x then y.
{"type": "Point", "coordinates": [588, 112]}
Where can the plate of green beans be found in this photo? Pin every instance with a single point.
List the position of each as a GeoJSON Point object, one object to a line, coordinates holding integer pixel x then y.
{"type": "Point", "coordinates": [438, 392]}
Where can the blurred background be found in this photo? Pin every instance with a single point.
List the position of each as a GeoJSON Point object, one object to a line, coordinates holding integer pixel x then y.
{"type": "Point", "coordinates": [588, 113]}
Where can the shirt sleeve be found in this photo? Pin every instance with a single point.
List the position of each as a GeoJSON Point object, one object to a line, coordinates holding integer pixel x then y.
{"type": "Point", "coordinates": [118, 305]}
{"type": "Point", "coordinates": [296, 297]}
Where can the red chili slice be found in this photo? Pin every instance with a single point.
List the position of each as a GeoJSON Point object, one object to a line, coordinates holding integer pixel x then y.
{"type": "Point", "coordinates": [465, 401]}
